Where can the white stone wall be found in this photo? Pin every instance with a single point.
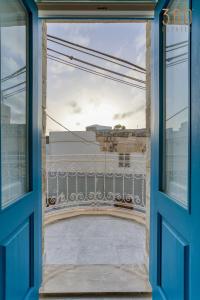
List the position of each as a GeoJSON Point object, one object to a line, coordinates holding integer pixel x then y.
{"type": "Point", "coordinates": [77, 142]}
{"type": "Point", "coordinates": [66, 152]}
{"type": "Point", "coordinates": [96, 163]}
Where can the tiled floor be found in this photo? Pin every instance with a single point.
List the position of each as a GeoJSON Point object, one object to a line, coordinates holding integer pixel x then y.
{"type": "Point", "coordinates": [95, 254]}
{"type": "Point", "coordinates": [94, 240]}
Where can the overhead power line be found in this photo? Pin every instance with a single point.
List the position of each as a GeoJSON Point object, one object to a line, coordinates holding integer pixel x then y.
{"type": "Point", "coordinates": [177, 48]}
{"type": "Point", "coordinates": [57, 59]}
{"type": "Point", "coordinates": [13, 75]}
{"type": "Point", "coordinates": [13, 86]}
{"type": "Point", "coordinates": [13, 93]}
{"type": "Point", "coordinates": [177, 44]}
{"type": "Point", "coordinates": [96, 56]}
{"type": "Point", "coordinates": [85, 141]}
{"type": "Point", "coordinates": [176, 56]}
{"type": "Point", "coordinates": [99, 52]}
{"type": "Point", "coordinates": [96, 66]}
{"type": "Point", "coordinates": [178, 62]}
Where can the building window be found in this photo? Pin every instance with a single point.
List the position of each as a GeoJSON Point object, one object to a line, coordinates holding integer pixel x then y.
{"type": "Point", "coordinates": [124, 160]}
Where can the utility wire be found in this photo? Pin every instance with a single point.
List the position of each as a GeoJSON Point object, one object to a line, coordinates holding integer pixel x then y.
{"type": "Point", "coordinates": [85, 141]}
{"type": "Point", "coordinates": [57, 59]}
{"type": "Point", "coordinates": [14, 86]}
{"type": "Point", "coordinates": [97, 56]}
{"type": "Point", "coordinates": [13, 75]}
{"type": "Point", "coordinates": [54, 58]}
{"type": "Point", "coordinates": [177, 62]}
{"type": "Point", "coordinates": [99, 52]}
{"type": "Point", "coordinates": [96, 66]}
{"type": "Point", "coordinates": [176, 56]}
{"type": "Point", "coordinates": [176, 48]}
{"type": "Point", "coordinates": [14, 93]}
{"type": "Point", "coordinates": [177, 44]}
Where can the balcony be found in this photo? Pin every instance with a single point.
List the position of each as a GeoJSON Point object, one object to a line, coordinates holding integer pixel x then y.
{"type": "Point", "coordinates": [95, 250]}
{"type": "Point", "coordinates": [103, 181]}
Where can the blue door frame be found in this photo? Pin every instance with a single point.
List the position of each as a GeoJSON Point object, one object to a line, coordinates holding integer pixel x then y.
{"type": "Point", "coordinates": [21, 222]}
{"type": "Point", "coordinates": [175, 240]}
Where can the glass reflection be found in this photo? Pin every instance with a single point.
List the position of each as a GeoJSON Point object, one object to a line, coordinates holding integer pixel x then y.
{"type": "Point", "coordinates": [177, 156]}
{"type": "Point", "coordinates": [13, 30]}
{"type": "Point", "coordinates": [176, 108]}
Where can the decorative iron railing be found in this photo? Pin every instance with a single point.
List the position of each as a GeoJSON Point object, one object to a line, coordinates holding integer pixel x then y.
{"type": "Point", "coordinates": [95, 181]}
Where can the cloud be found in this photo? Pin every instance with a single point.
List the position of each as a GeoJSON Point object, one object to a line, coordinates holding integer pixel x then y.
{"type": "Point", "coordinates": [77, 98]}
{"type": "Point", "coordinates": [65, 31]}
{"type": "Point", "coordinates": [13, 49]}
{"type": "Point", "coordinates": [73, 104]}
{"type": "Point", "coordinates": [17, 106]}
{"type": "Point", "coordinates": [77, 110]}
{"type": "Point", "coordinates": [121, 116]}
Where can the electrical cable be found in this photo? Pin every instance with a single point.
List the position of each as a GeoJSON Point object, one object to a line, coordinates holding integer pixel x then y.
{"type": "Point", "coordinates": [13, 75]}
{"type": "Point", "coordinates": [14, 93]}
{"type": "Point", "coordinates": [54, 58]}
{"type": "Point", "coordinates": [96, 66]}
{"type": "Point", "coordinates": [96, 56]}
{"type": "Point", "coordinates": [67, 129]}
{"type": "Point", "coordinates": [99, 52]}
{"type": "Point", "coordinates": [14, 86]}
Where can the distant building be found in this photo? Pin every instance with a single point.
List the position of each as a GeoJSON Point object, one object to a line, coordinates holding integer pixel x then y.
{"type": "Point", "coordinates": [5, 114]}
{"type": "Point", "coordinates": [97, 140]}
{"type": "Point", "coordinates": [85, 151]}
{"type": "Point", "coordinates": [97, 127]}
{"type": "Point", "coordinates": [123, 141]}
{"type": "Point", "coordinates": [78, 168]}
{"type": "Point", "coordinates": [76, 142]}
{"type": "Point", "coordinates": [14, 158]}
{"type": "Point", "coordinates": [177, 161]}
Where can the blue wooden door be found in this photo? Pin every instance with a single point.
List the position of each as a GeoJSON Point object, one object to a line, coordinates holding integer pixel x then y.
{"type": "Point", "coordinates": [175, 200]}
{"type": "Point", "coordinates": [20, 180]}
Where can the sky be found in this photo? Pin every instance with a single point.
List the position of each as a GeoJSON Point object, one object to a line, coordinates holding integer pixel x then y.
{"type": "Point", "coordinates": [76, 98]}
{"type": "Point", "coordinates": [13, 59]}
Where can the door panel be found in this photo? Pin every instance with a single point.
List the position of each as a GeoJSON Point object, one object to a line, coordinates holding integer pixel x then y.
{"type": "Point", "coordinates": [175, 243]}
{"type": "Point", "coordinates": [176, 101]}
{"type": "Point", "coordinates": [14, 101]}
{"type": "Point", "coordinates": [20, 159]}
{"type": "Point", "coordinates": [16, 256]}
{"type": "Point", "coordinates": [173, 251]}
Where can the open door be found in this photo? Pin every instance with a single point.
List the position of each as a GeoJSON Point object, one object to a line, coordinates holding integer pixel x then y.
{"type": "Point", "coordinates": [175, 201]}
{"type": "Point", "coordinates": [20, 192]}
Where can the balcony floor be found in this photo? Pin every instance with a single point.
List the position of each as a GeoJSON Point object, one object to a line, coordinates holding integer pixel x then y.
{"type": "Point", "coordinates": [95, 254]}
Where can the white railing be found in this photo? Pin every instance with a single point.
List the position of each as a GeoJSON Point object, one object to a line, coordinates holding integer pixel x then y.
{"type": "Point", "coordinates": [102, 180]}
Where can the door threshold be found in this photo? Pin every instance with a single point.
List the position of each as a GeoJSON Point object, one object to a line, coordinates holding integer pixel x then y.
{"type": "Point", "coordinates": [95, 280]}
{"type": "Point", "coordinates": [98, 295]}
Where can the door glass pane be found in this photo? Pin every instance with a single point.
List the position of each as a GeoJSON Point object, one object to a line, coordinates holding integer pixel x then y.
{"type": "Point", "coordinates": [176, 100]}
{"type": "Point", "coordinates": [13, 87]}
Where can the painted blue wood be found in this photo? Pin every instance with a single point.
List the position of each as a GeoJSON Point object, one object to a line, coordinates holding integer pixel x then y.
{"type": "Point", "coordinates": [102, 1]}
{"type": "Point", "coordinates": [20, 223]}
{"type": "Point", "coordinates": [178, 258]}
{"type": "Point", "coordinates": [175, 242]}
{"type": "Point", "coordinates": [19, 244]}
